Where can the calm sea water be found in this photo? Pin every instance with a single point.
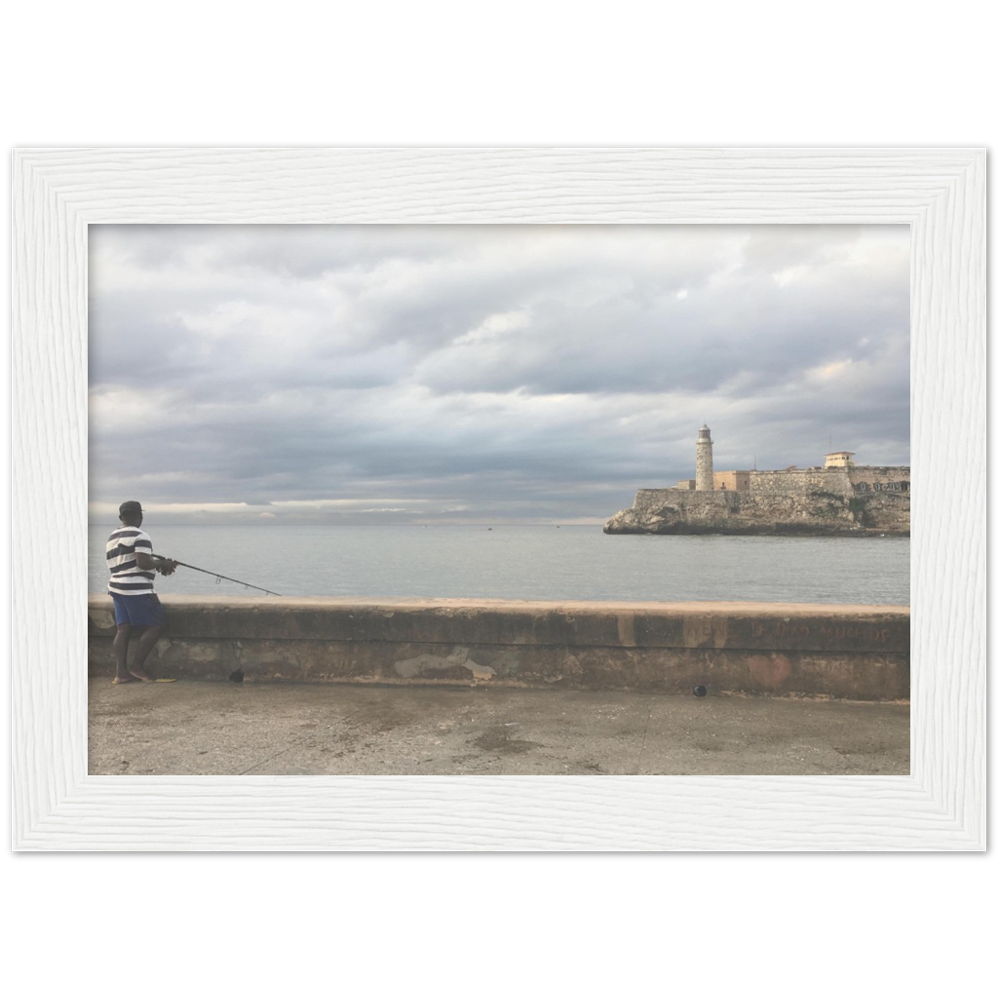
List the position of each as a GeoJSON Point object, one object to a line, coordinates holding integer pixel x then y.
{"type": "Point", "coordinates": [523, 562]}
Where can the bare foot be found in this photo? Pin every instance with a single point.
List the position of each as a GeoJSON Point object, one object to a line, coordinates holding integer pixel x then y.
{"type": "Point", "coordinates": [123, 680]}
{"type": "Point", "coordinates": [139, 674]}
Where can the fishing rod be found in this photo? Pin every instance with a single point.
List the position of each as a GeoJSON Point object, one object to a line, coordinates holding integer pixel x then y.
{"type": "Point", "coordinates": [218, 576]}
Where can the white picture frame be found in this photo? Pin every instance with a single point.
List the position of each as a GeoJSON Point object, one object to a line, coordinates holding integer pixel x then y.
{"type": "Point", "coordinates": [939, 192]}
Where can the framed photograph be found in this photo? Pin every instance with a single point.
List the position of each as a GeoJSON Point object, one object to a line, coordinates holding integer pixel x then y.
{"type": "Point", "coordinates": [939, 193]}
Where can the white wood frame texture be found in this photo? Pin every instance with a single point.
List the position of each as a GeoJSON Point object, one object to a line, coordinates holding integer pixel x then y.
{"type": "Point", "coordinates": [940, 193]}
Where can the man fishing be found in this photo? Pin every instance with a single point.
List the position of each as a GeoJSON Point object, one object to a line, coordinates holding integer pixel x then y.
{"type": "Point", "coordinates": [133, 568]}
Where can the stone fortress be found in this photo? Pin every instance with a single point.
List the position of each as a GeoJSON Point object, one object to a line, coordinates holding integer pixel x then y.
{"type": "Point", "coordinates": [836, 498]}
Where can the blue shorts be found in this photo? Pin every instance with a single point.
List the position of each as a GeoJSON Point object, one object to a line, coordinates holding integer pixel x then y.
{"type": "Point", "coordinates": [139, 610]}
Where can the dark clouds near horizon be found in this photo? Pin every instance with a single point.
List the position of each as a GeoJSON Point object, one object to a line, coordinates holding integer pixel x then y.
{"type": "Point", "coordinates": [419, 373]}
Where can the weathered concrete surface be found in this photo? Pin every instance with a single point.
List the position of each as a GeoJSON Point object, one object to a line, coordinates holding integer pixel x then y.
{"type": "Point", "coordinates": [858, 652]}
{"type": "Point", "coordinates": [198, 727]}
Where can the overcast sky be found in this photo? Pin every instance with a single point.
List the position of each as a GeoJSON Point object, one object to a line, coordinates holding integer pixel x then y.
{"type": "Point", "coordinates": [420, 374]}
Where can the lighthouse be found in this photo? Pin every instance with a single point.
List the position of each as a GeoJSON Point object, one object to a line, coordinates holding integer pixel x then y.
{"type": "Point", "coordinates": [703, 478]}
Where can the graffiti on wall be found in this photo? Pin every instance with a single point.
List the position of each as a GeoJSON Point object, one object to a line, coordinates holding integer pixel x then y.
{"type": "Point", "coordinates": [902, 486]}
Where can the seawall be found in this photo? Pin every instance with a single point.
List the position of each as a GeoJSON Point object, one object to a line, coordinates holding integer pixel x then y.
{"type": "Point", "coordinates": [840, 651]}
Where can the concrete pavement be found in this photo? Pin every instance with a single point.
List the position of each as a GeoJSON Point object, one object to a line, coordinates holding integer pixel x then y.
{"type": "Point", "coordinates": [204, 727]}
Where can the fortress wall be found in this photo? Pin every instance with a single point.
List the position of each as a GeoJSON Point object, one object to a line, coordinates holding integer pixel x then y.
{"type": "Point", "coordinates": [801, 481]}
{"type": "Point", "coordinates": [655, 497]}
{"type": "Point", "coordinates": [859, 652]}
{"type": "Point", "coordinates": [880, 478]}
{"type": "Point", "coordinates": [696, 504]}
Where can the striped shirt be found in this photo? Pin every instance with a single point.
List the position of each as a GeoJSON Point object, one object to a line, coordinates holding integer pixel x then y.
{"type": "Point", "coordinates": [126, 577]}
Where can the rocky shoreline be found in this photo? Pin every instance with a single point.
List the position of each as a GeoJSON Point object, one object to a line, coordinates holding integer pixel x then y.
{"type": "Point", "coordinates": [781, 530]}
{"type": "Point", "coordinates": [811, 513]}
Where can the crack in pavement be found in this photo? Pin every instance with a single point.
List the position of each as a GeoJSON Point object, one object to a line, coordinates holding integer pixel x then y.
{"type": "Point", "coordinates": [284, 750]}
{"type": "Point", "coordinates": [642, 745]}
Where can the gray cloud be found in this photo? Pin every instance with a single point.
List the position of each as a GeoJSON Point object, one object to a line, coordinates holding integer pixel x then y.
{"type": "Point", "coordinates": [473, 372]}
